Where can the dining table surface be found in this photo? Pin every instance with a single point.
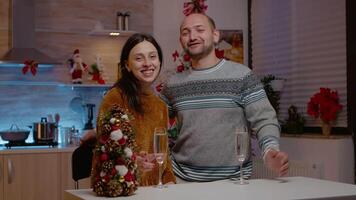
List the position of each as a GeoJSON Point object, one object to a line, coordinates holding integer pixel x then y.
{"type": "Point", "coordinates": [266, 189]}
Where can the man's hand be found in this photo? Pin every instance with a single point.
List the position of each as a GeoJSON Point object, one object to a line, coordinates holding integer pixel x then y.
{"type": "Point", "coordinates": [277, 161]}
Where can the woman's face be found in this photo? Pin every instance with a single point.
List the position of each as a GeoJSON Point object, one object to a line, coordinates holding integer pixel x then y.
{"type": "Point", "coordinates": [144, 62]}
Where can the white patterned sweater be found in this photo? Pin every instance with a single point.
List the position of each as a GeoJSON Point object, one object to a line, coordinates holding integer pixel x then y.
{"type": "Point", "coordinates": [209, 105]}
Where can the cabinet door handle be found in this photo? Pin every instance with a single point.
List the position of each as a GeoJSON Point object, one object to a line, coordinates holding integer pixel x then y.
{"type": "Point", "coordinates": [9, 169]}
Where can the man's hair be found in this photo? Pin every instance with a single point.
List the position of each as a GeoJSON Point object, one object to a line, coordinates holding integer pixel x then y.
{"type": "Point", "coordinates": [210, 20]}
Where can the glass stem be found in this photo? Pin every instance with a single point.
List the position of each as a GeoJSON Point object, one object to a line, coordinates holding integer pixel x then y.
{"type": "Point", "coordinates": [160, 175]}
{"type": "Point", "coordinates": [241, 174]}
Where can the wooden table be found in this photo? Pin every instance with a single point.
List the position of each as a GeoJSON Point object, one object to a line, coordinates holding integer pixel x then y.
{"type": "Point", "coordinates": [266, 189]}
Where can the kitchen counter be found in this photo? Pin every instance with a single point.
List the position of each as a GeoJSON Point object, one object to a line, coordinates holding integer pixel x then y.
{"type": "Point", "coordinates": [268, 189]}
{"type": "Point", "coordinates": [36, 149]}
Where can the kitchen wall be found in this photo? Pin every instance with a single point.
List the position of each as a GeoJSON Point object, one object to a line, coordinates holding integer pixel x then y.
{"type": "Point", "coordinates": [167, 16]}
{"type": "Point", "coordinates": [61, 27]}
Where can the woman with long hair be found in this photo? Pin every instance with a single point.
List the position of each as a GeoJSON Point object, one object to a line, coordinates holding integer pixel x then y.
{"type": "Point", "coordinates": [140, 64]}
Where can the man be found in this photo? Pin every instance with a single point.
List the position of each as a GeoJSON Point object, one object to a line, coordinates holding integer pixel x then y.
{"type": "Point", "coordinates": [210, 101]}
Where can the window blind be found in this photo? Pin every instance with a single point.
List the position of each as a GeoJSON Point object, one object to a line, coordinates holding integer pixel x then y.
{"type": "Point", "coordinates": [303, 41]}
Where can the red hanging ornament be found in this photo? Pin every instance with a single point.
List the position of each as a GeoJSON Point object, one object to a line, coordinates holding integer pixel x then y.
{"type": "Point", "coordinates": [194, 6]}
{"type": "Point", "coordinates": [30, 65]}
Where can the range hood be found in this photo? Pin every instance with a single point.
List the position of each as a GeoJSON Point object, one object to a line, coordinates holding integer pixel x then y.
{"type": "Point", "coordinates": [23, 37]}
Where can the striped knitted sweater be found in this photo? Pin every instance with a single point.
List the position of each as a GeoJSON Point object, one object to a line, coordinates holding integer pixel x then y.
{"type": "Point", "coordinates": [209, 105]}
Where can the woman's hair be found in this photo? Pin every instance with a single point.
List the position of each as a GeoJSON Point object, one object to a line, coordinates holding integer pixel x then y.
{"type": "Point", "coordinates": [128, 82]}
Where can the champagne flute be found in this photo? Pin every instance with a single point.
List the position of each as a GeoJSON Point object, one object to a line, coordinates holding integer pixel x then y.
{"type": "Point", "coordinates": [242, 143]}
{"type": "Point", "coordinates": [160, 149]}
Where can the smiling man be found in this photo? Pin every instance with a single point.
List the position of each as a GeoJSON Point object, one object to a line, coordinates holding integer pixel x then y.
{"type": "Point", "coordinates": [212, 100]}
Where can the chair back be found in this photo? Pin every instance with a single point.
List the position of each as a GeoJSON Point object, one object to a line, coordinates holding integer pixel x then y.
{"type": "Point", "coordinates": [82, 163]}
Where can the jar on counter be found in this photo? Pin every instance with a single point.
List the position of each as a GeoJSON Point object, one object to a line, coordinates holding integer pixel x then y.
{"type": "Point", "coordinates": [75, 136]}
{"type": "Point", "coordinates": [65, 135]}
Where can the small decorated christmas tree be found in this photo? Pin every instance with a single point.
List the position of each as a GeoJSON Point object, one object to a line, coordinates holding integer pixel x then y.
{"type": "Point", "coordinates": [115, 170]}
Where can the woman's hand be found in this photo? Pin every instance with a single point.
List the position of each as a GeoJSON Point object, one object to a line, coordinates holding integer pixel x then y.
{"type": "Point", "coordinates": [145, 161]}
{"type": "Point", "coordinates": [88, 138]}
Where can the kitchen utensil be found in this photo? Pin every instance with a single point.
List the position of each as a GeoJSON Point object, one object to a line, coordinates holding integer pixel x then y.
{"type": "Point", "coordinates": [14, 134]}
{"type": "Point", "coordinates": [44, 131]}
{"type": "Point", "coordinates": [50, 118]}
{"type": "Point", "coordinates": [76, 104]}
{"type": "Point", "coordinates": [57, 118]}
{"type": "Point", "coordinates": [89, 124]}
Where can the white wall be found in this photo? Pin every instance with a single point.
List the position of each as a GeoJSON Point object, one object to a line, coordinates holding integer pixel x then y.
{"type": "Point", "coordinates": [335, 155]}
{"type": "Point", "coordinates": [167, 16]}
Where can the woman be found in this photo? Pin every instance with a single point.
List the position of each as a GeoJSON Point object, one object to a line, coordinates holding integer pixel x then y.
{"type": "Point", "coordinates": [141, 61]}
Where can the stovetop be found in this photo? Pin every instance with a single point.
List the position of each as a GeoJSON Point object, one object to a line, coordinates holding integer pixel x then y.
{"type": "Point", "coordinates": [23, 143]}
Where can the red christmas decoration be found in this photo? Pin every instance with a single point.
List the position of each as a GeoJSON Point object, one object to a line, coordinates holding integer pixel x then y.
{"type": "Point", "coordinates": [30, 65]}
{"type": "Point", "coordinates": [324, 104]}
{"type": "Point", "coordinates": [194, 6]}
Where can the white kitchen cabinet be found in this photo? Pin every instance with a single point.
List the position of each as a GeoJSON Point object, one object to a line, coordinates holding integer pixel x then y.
{"type": "Point", "coordinates": [31, 176]}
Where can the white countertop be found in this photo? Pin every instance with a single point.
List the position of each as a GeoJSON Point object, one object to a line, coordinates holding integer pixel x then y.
{"type": "Point", "coordinates": [266, 189]}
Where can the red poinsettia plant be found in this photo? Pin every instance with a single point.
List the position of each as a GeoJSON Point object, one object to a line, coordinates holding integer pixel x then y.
{"type": "Point", "coordinates": [324, 105]}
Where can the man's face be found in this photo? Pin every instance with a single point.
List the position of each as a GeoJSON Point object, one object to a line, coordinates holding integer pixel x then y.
{"type": "Point", "coordinates": [197, 36]}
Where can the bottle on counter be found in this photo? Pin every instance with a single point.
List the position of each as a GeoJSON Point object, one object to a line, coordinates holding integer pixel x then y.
{"type": "Point", "coordinates": [119, 20]}
{"type": "Point", "coordinates": [126, 19]}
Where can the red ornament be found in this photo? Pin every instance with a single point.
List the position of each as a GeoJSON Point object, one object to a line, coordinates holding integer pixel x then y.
{"type": "Point", "coordinates": [186, 57]}
{"type": "Point", "coordinates": [104, 157]}
{"type": "Point", "coordinates": [103, 138]}
{"type": "Point", "coordinates": [180, 68]}
{"type": "Point", "coordinates": [175, 55]}
{"type": "Point", "coordinates": [133, 157]}
{"type": "Point", "coordinates": [106, 178]}
{"type": "Point", "coordinates": [195, 6]}
{"type": "Point", "coordinates": [159, 87]}
{"type": "Point", "coordinates": [129, 176]}
{"type": "Point", "coordinates": [122, 141]}
{"type": "Point", "coordinates": [219, 53]}
{"type": "Point", "coordinates": [120, 161]}
{"type": "Point", "coordinates": [113, 171]}
{"type": "Point", "coordinates": [114, 127]}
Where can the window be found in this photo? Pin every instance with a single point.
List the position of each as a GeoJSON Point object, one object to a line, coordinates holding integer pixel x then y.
{"type": "Point", "coordinates": [304, 42]}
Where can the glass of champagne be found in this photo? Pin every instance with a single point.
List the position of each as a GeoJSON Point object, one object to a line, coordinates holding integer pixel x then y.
{"type": "Point", "coordinates": [160, 149]}
{"type": "Point", "coordinates": [242, 146]}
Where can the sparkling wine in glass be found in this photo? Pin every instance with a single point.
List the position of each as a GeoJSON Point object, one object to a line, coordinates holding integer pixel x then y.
{"type": "Point", "coordinates": [160, 149]}
{"type": "Point", "coordinates": [242, 146]}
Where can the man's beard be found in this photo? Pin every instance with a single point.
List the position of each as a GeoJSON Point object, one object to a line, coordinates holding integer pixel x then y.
{"type": "Point", "coordinates": [196, 56]}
